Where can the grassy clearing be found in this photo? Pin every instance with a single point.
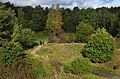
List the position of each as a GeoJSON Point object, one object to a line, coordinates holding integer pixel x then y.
{"type": "Point", "coordinates": [41, 36]}
{"type": "Point", "coordinates": [52, 55]}
{"type": "Point", "coordinates": [62, 52]}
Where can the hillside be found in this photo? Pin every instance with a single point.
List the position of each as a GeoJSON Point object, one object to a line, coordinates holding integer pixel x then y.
{"type": "Point", "coordinates": [55, 57]}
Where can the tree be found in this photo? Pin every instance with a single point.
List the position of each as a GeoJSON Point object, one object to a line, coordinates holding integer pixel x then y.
{"type": "Point", "coordinates": [21, 17]}
{"type": "Point", "coordinates": [39, 17]}
{"type": "Point", "coordinates": [16, 32]}
{"type": "Point", "coordinates": [101, 46]}
{"type": "Point", "coordinates": [83, 32]}
{"type": "Point", "coordinates": [71, 20]}
{"type": "Point", "coordinates": [54, 21]}
{"type": "Point", "coordinates": [26, 38]}
{"type": "Point", "coordinates": [36, 23]}
{"type": "Point", "coordinates": [108, 21]}
{"type": "Point", "coordinates": [7, 20]}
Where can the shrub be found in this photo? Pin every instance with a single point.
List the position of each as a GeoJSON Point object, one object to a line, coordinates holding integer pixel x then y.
{"type": "Point", "coordinates": [79, 66]}
{"type": "Point", "coordinates": [11, 53]}
{"type": "Point", "coordinates": [15, 64]}
{"type": "Point", "coordinates": [100, 47]}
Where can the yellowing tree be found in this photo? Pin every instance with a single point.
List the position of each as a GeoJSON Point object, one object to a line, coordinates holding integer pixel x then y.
{"type": "Point", "coordinates": [54, 20]}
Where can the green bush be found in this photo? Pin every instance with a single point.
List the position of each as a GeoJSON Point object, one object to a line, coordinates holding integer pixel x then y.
{"type": "Point", "coordinates": [78, 66]}
{"type": "Point", "coordinates": [100, 47]}
{"type": "Point", "coordinates": [15, 64]}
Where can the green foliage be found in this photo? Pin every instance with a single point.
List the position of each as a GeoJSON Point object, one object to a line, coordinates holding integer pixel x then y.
{"type": "Point", "coordinates": [101, 46]}
{"type": "Point", "coordinates": [108, 20]}
{"type": "Point", "coordinates": [35, 23]}
{"type": "Point", "coordinates": [38, 68]}
{"type": "Point", "coordinates": [24, 69]}
{"type": "Point", "coordinates": [16, 32]}
{"type": "Point", "coordinates": [83, 32]}
{"type": "Point", "coordinates": [27, 37]}
{"type": "Point", "coordinates": [21, 16]}
{"type": "Point", "coordinates": [15, 64]}
{"type": "Point", "coordinates": [7, 20]}
{"type": "Point", "coordinates": [79, 66]}
{"type": "Point", "coordinates": [24, 36]}
{"type": "Point", "coordinates": [71, 19]}
{"type": "Point", "coordinates": [71, 37]}
{"type": "Point", "coordinates": [11, 53]}
{"type": "Point", "coordinates": [54, 21]}
{"type": "Point", "coordinates": [35, 18]}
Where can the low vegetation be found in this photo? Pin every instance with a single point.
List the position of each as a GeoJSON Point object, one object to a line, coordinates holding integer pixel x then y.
{"type": "Point", "coordinates": [79, 66]}
{"type": "Point", "coordinates": [69, 63]}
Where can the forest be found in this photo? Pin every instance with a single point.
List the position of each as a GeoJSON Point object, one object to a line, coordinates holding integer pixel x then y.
{"type": "Point", "coordinates": [78, 42]}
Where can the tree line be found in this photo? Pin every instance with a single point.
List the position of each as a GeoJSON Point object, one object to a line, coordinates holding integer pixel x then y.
{"type": "Point", "coordinates": [35, 18]}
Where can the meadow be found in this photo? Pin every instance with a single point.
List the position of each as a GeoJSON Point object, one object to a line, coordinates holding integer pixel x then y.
{"type": "Point", "coordinates": [55, 57]}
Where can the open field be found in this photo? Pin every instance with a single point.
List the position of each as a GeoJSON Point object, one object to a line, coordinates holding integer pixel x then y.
{"type": "Point", "coordinates": [52, 55]}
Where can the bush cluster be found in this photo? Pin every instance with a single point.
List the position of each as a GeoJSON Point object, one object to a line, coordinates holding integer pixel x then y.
{"type": "Point", "coordinates": [78, 66]}
{"type": "Point", "coordinates": [100, 47]}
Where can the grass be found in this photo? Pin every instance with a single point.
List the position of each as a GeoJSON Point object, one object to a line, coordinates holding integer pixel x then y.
{"type": "Point", "coordinates": [51, 55]}
{"type": "Point", "coordinates": [41, 36]}
{"type": "Point", "coordinates": [62, 52]}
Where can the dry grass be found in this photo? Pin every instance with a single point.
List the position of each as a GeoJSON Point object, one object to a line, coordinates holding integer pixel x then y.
{"type": "Point", "coordinates": [62, 52]}
{"type": "Point", "coordinates": [55, 56]}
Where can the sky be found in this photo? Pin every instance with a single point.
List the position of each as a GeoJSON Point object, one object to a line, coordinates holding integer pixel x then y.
{"type": "Point", "coordinates": [67, 3]}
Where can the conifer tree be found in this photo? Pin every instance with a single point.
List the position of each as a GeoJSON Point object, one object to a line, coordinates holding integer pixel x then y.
{"type": "Point", "coordinates": [21, 17]}
{"type": "Point", "coordinates": [16, 32]}
{"type": "Point", "coordinates": [7, 20]}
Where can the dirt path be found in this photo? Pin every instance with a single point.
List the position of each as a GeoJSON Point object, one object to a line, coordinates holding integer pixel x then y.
{"type": "Point", "coordinates": [106, 75]}
{"type": "Point", "coordinates": [37, 48]}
